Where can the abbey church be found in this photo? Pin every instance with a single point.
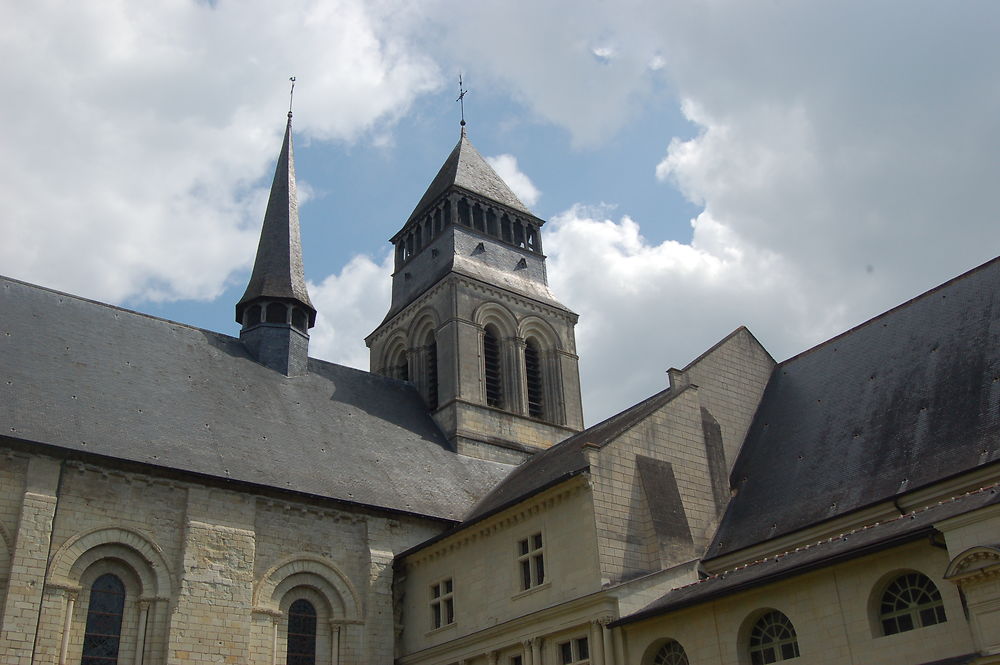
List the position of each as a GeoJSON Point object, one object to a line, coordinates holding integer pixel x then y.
{"type": "Point", "coordinates": [171, 495]}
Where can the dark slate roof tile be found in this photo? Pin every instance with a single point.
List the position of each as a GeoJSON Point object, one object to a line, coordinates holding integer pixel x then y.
{"type": "Point", "coordinates": [898, 403]}
{"type": "Point", "coordinates": [98, 379]}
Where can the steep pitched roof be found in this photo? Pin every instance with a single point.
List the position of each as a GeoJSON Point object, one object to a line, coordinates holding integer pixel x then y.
{"type": "Point", "coordinates": [467, 169]}
{"type": "Point", "coordinates": [95, 379]}
{"type": "Point", "coordinates": [277, 270]}
{"type": "Point", "coordinates": [900, 402]}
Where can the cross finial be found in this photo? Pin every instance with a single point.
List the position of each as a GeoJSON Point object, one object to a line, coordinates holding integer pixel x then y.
{"type": "Point", "coordinates": [461, 100]}
{"type": "Point", "coordinates": [290, 94]}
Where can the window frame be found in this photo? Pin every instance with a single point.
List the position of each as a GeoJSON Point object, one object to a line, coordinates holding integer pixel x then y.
{"type": "Point", "coordinates": [577, 649]}
{"type": "Point", "coordinates": [914, 613]}
{"type": "Point", "coordinates": [442, 603]}
{"type": "Point", "coordinates": [777, 645]}
{"type": "Point", "coordinates": [529, 558]}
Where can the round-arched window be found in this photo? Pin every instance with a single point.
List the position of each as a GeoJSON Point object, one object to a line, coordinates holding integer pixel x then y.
{"type": "Point", "coordinates": [103, 633]}
{"type": "Point", "coordinates": [910, 601]}
{"type": "Point", "coordinates": [301, 633]}
{"type": "Point", "coordinates": [671, 653]}
{"type": "Point", "coordinates": [772, 639]}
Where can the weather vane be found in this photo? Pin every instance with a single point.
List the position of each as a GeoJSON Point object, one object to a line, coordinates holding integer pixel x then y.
{"type": "Point", "coordinates": [290, 93]}
{"type": "Point", "coordinates": [461, 97]}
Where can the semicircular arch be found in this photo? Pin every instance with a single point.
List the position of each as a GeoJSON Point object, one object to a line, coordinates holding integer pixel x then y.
{"type": "Point", "coordinates": [315, 572]}
{"type": "Point", "coordinates": [426, 321]}
{"type": "Point", "coordinates": [533, 326]}
{"type": "Point", "coordinates": [137, 550]}
{"type": "Point", "coordinates": [499, 316]}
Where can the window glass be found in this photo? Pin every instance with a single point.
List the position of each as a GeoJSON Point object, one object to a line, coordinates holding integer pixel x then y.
{"type": "Point", "coordinates": [301, 633]}
{"type": "Point", "coordinates": [102, 636]}
{"type": "Point", "coordinates": [910, 601]}
{"type": "Point", "coordinates": [772, 639]}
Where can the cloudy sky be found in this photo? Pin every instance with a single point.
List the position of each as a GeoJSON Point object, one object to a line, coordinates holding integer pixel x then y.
{"type": "Point", "coordinates": [796, 167]}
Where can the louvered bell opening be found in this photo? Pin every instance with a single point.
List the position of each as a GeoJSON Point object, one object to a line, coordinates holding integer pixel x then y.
{"type": "Point", "coordinates": [533, 374]}
{"type": "Point", "coordinates": [491, 361]}
{"type": "Point", "coordinates": [402, 371]}
{"type": "Point", "coordinates": [432, 374]}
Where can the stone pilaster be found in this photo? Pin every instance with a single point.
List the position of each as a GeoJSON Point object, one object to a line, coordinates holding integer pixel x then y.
{"type": "Point", "coordinates": [27, 566]}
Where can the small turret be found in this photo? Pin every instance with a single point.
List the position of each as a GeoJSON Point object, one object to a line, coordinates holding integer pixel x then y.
{"type": "Point", "coordinates": [275, 311]}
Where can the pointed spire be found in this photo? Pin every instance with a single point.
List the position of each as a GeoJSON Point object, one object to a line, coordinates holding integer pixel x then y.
{"type": "Point", "coordinates": [277, 271]}
{"type": "Point", "coordinates": [467, 169]}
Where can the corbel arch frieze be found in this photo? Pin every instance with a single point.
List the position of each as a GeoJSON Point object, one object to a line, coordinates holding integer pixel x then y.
{"type": "Point", "coordinates": [133, 548]}
{"type": "Point", "coordinates": [312, 571]}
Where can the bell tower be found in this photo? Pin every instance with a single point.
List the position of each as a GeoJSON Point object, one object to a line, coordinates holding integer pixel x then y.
{"type": "Point", "coordinates": [472, 321]}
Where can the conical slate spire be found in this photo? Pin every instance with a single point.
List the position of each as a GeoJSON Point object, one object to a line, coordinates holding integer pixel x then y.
{"type": "Point", "coordinates": [277, 271]}
{"type": "Point", "coordinates": [467, 169]}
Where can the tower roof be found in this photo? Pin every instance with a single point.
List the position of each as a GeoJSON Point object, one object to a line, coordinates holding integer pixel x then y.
{"type": "Point", "coordinates": [467, 169]}
{"type": "Point", "coordinates": [277, 270]}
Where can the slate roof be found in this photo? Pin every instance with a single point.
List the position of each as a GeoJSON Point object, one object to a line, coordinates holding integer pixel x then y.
{"type": "Point", "coordinates": [565, 459]}
{"type": "Point", "coordinates": [277, 270]}
{"type": "Point", "coordinates": [900, 402]}
{"type": "Point", "coordinates": [96, 379]}
{"type": "Point", "coordinates": [873, 538]}
{"type": "Point", "coordinates": [467, 169]}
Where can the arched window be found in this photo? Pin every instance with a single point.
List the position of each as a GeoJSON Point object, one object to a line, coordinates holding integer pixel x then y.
{"type": "Point", "coordinates": [432, 371]}
{"type": "Point", "coordinates": [772, 639]}
{"type": "Point", "coordinates": [671, 653]}
{"type": "Point", "coordinates": [103, 633]}
{"type": "Point", "coordinates": [277, 312]}
{"type": "Point", "coordinates": [252, 316]}
{"type": "Point", "coordinates": [301, 648]}
{"type": "Point", "coordinates": [299, 319]}
{"type": "Point", "coordinates": [533, 375]}
{"type": "Point", "coordinates": [492, 368]}
{"type": "Point", "coordinates": [910, 601]}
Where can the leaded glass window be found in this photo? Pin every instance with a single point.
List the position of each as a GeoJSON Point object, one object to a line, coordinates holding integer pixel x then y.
{"type": "Point", "coordinates": [301, 633]}
{"type": "Point", "coordinates": [772, 639]}
{"type": "Point", "coordinates": [910, 601]}
{"type": "Point", "coordinates": [102, 636]}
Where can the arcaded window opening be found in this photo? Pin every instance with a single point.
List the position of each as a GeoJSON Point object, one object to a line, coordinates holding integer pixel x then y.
{"type": "Point", "coordinates": [277, 312]}
{"type": "Point", "coordinates": [299, 320]}
{"type": "Point", "coordinates": [910, 601]}
{"type": "Point", "coordinates": [773, 639]}
{"type": "Point", "coordinates": [492, 368]}
{"type": "Point", "coordinates": [533, 373]}
{"type": "Point", "coordinates": [432, 371]}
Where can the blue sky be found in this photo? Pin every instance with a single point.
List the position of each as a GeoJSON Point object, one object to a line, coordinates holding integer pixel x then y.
{"type": "Point", "coordinates": [794, 167]}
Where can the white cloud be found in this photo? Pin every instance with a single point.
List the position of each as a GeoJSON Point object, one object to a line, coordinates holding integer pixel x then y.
{"type": "Point", "coordinates": [140, 127]}
{"type": "Point", "coordinates": [349, 306]}
{"type": "Point", "coordinates": [506, 167]}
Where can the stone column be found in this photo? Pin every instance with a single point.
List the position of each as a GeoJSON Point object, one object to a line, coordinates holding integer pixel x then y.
{"type": "Point", "coordinates": [28, 562]}
{"type": "Point", "coordinates": [526, 646]}
{"type": "Point", "coordinates": [71, 597]}
{"type": "Point", "coordinates": [140, 638]}
{"type": "Point", "coordinates": [518, 400]}
{"type": "Point", "coordinates": [596, 643]}
{"type": "Point", "coordinates": [334, 643]}
{"type": "Point", "coordinates": [609, 651]}
{"type": "Point", "coordinates": [536, 650]}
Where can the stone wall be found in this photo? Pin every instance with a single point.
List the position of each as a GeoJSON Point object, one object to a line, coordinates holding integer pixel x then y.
{"type": "Point", "coordinates": [209, 571]}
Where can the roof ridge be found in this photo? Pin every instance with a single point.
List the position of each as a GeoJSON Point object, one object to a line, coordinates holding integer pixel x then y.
{"type": "Point", "coordinates": [892, 310]}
